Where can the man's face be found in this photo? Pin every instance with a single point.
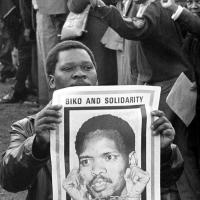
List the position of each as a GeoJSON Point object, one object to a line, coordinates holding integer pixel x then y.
{"type": "Point", "coordinates": [74, 68]}
{"type": "Point", "coordinates": [194, 6]}
{"type": "Point", "coordinates": [102, 166]}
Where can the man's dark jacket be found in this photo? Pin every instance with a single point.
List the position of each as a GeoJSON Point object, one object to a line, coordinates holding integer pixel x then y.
{"type": "Point", "coordinates": [21, 170]}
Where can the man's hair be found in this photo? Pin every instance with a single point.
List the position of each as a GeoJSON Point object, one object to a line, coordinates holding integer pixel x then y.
{"type": "Point", "coordinates": [52, 56]}
{"type": "Point", "coordinates": [121, 128]}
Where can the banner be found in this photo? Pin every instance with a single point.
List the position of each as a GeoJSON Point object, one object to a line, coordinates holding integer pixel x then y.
{"type": "Point", "coordinates": [99, 126]}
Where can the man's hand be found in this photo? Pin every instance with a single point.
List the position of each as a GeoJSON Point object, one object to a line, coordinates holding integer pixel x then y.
{"type": "Point", "coordinates": [47, 119]}
{"type": "Point", "coordinates": [136, 181]}
{"type": "Point", "coordinates": [97, 3]}
{"type": "Point", "coordinates": [75, 186]}
{"type": "Point", "coordinates": [169, 4]}
{"type": "Point", "coordinates": [162, 127]}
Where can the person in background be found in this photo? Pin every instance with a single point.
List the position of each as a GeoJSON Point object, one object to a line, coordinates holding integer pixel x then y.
{"type": "Point", "coordinates": [6, 46]}
{"type": "Point", "coordinates": [23, 42]}
{"type": "Point", "coordinates": [50, 17]}
{"type": "Point", "coordinates": [189, 21]}
{"type": "Point", "coordinates": [105, 57]}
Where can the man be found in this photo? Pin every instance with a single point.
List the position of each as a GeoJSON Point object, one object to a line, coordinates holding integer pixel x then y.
{"type": "Point", "coordinates": [163, 52]}
{"type": "Point", "coordinates": [96, 28]}
{"type": "Point", "coordinates": [105, 146]}
{"type": "Point", "coordinates": [24, 41]}
{"type": "Point", "coordinates": [6, 46]}
{"type": "Point", "coordinates": [189, 21]}
{"type": "Point", "coordinates": [50, 17]}
{"type": "Point", "coordinates": [26, 164]}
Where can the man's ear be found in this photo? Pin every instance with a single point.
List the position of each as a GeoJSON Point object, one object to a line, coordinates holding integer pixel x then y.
{"type": "Point", "coordinates": [133, 161]}
{"type": "Point", "coordinates": [52, 84]}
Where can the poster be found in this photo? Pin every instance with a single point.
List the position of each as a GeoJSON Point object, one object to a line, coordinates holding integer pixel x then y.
{"type": "Point", "coordinates": [92, 109]}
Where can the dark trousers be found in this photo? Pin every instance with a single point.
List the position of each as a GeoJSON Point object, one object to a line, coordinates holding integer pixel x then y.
{"type": "Point", "coordinates": [25, 53]}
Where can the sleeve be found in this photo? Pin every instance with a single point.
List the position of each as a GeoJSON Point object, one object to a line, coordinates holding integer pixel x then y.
{"type": "Point", "coordinates": [171, 166]}
{"type": "Point", "coordinates": [19, 167]}
{"type": "Point", "coordinates": [190, 22]}
{"type": "Point", "coordinates": [131, 28]}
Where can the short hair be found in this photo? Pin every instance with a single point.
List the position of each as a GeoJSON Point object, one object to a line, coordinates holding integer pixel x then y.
{"type": "Point", "coordinates": [52, 56]}
{"type": "Point", "coordinates": [106, 122]}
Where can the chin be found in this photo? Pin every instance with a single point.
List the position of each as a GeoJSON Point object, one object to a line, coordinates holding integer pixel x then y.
{"type": "Point", "coordinates": [106, 194]}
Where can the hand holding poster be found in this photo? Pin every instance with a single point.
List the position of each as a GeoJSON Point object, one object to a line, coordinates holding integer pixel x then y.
{"type": "Point", "coordinates": [104, 147]}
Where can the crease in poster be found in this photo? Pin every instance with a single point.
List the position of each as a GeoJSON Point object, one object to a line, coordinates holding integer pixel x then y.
{"type": "Point", "coordinates": [104, 148]}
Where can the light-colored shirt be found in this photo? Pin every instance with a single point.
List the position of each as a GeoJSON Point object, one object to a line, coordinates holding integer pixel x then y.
{"type": "Point", "coordinates": [52, 7]}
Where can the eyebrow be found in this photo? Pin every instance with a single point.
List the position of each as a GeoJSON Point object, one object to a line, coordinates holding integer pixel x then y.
{"type": "Point", "coordinates": [84, 157]}
{"type": "Point", "coordinates": [105, 153]}
{"type": "Point", "coordinates": [80, 63]}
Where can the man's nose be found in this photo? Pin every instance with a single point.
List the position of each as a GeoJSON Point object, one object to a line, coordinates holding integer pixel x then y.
{"type": "Point", "coordinates": [79, 73]}
{"type": "Point", "coordinates": [98, 168]}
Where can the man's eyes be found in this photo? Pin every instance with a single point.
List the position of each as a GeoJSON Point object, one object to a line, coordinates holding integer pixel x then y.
{"type": "Point", "coordinates": [85, 162]}
{"type": "Point", "coordinates": [87, 67]}
{"type": "Point", "coordinates": [67, 68]}
{"type": "Point", "coordinates": [110, 157]}
{"type": "Point", "coordinates": [84, 67]}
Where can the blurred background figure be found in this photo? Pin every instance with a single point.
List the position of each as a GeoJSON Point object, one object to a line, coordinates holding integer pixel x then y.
{"type": "Point", "coordinates": [19, 23]}
{"type": "Point", "coordinates": [6, 45]}
{"type": "Point", "coordinates": [189, 144]}
{"type": "Point", "coordinates": [50, 16]}
{"type": "Point", "coordinates": [96, 30]}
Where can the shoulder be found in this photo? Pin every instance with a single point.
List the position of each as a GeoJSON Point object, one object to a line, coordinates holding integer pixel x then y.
{"type": "Point", "coordinates": [24, 126]}
{"type": "Point", "coordinates": [153, 10]}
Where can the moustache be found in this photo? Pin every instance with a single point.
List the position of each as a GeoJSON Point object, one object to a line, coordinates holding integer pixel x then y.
{"type": "Point", "coordinates": [99, 177]}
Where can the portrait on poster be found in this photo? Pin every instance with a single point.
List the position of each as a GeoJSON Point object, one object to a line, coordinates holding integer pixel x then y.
{"type": "Point", "coordinates": [104, 135]}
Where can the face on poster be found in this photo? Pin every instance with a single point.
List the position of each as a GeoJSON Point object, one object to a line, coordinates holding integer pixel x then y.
{"type": "Point", "coordinates": [103, 144]}
{"type": "Point", "coordinates": [77, 117]}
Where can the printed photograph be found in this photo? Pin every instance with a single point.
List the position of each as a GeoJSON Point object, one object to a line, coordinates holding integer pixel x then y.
{"type": "Point", "coordinates": [105, 155]}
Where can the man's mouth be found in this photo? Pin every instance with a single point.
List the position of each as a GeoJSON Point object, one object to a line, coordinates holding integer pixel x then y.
{"type": "Point", "coordinates": [80, 83]}
{"type": "Point", "coordinates": [99, 184]}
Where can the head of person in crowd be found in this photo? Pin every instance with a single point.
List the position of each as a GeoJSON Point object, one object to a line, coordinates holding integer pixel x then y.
{"type": "Point", "coordinates": [70, 63]}
{"type": "Point", "coordinates": [194, 6]}
{"type": "Point", "coordinates": [103, 144]}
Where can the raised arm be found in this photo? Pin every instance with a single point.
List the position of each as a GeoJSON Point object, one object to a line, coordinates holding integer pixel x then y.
{"type": "Point", "coordinates": [130, 28]}
{"type": "Point", "coordinates": [187, 19]}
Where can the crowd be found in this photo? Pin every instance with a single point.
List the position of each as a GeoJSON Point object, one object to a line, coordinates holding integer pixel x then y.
{"type": "Point", "coordinates": [129, 42]}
